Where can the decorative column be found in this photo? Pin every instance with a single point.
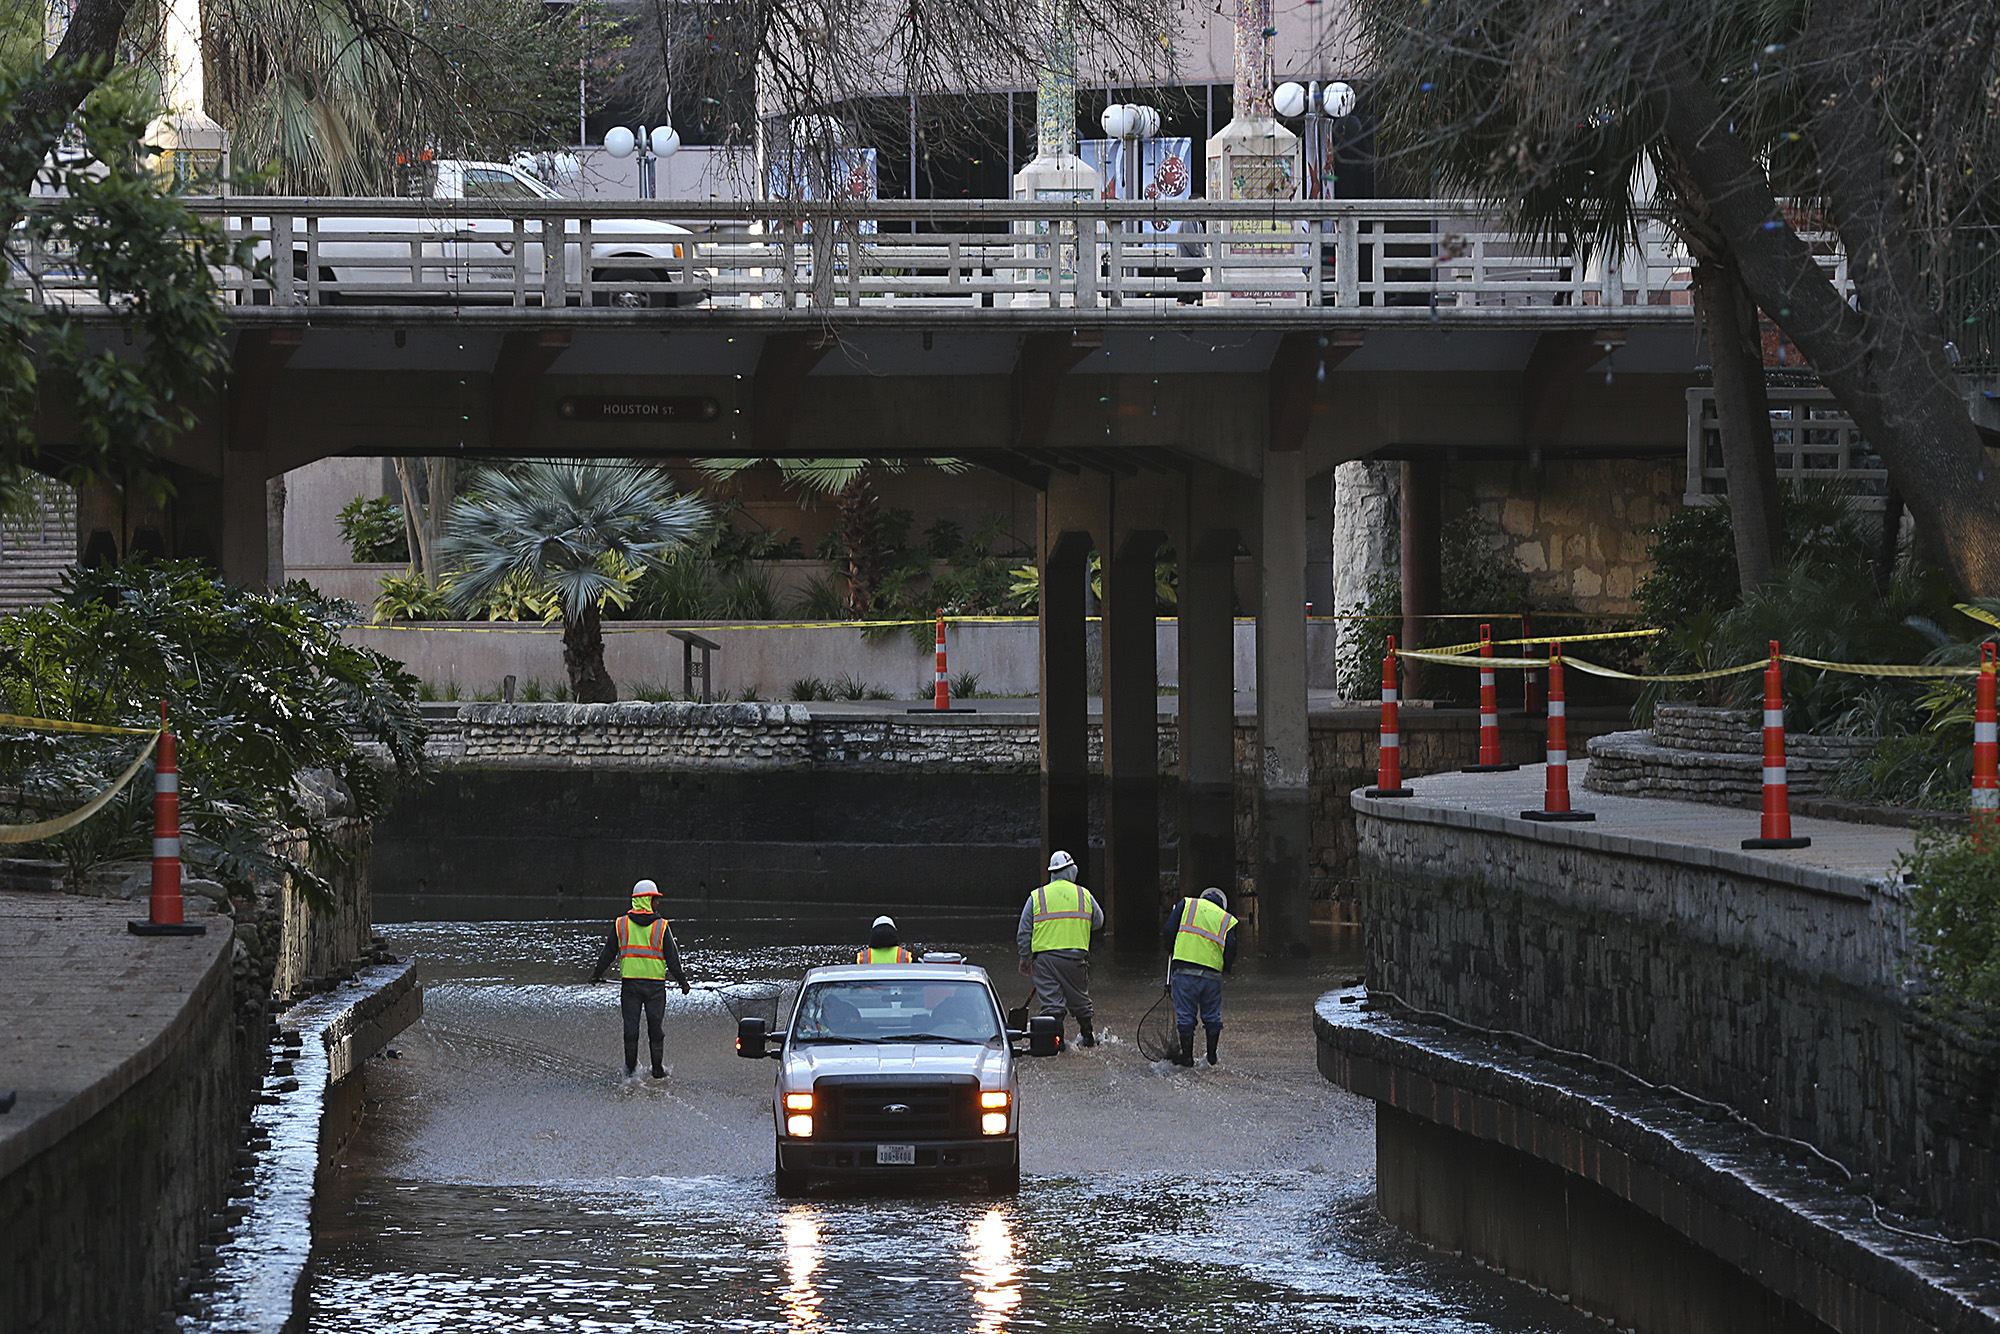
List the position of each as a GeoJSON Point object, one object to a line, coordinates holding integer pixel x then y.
{"type": "Point", "coordinates": [1254, 157]}
{"type": "Point", "coordinates": [1056, 172]}
{"type": "Point", "coordinates": [194, 149]}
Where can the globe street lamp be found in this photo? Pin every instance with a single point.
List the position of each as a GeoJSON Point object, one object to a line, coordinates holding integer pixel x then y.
{"type": "Point", "coordinates": [1133, 124]}
{"type": "Point", "coordinates": [1318, 104]}
{"type": "Point", "coordinates": [658, 142]}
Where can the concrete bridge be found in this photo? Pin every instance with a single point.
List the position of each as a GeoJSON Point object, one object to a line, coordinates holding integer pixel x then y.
{"type": "Point", "coordinates": [1187, 374]}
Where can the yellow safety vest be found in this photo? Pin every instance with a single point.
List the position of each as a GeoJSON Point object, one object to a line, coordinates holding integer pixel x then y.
{"type": "Point", "coordinates": [642, 950]}
{"type": "Point", "coordinates": [1203, 931]}
{"type": "Point", "coordinates": [894, 954]}
{"type": "Point", "coordinates": [1063, 910]}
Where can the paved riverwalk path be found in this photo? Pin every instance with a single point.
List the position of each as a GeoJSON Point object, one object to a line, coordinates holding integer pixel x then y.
{"type": "Point", "coordinates": [88, 1009]}
{"type": "Point", "coordinates": [1682, 831]}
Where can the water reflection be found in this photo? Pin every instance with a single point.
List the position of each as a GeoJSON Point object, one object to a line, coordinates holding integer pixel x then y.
{"type": "Point", "coordinates": [993, 1269]}
{"type": "Point", "coordinates": [803, 1256]}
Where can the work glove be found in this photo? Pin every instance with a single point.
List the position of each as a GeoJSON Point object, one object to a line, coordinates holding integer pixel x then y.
{"type": "Point", "coordinates": [684, 988]}
{"type": "Point", "coordinates": [1025, 970]}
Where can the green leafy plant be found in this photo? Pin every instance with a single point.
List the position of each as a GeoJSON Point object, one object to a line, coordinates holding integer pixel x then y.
{"type": "Point", "coordinates": [373, 528]}
{"type": "Point", "coordinates": [260, 690]}
{"type": "Point", "coordinates": [1954, 878]}
{"type": "Point", "coordinates": [410, 598]}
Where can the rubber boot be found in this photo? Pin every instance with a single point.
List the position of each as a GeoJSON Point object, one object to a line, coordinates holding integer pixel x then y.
{"type": "Point", "coordinates": [1085, 1038]}
{"type": "Point", "coordinates": [660, 1069]}
{"type": "Point", "coordinates": [1187, 1050]}
{"type": "Point", "coordinates": [631, 1057]}
{"type": "Point", "coordinates": [1213, 1038]}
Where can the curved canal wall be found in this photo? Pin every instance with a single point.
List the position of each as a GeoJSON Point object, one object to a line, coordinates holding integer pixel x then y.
{"type": "Point", "coordinates": [1774, 984]}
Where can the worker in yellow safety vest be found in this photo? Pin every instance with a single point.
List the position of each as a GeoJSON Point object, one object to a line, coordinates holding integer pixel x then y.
{"type": "Point", "coordinates": [643, 944]}
{"type": "Point", "coordinates": [883, 944]}
{"type": "Point", "coordinates": [1053, 941]}
{"type": "Point", "coordinates": [1201, 935]}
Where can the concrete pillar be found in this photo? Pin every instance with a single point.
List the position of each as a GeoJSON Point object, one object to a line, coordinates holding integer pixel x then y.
{"type": "Point", "coordinates": [1207, 704]}
{"type": "Point", "coordinates": [1284, 803]}
{"type": "Point", "coordinates": [1319, 543]}
{"type": "Point", "coordinates": [1065, 716]}
{"type": "Point", "coordinates": [246, 524]}
{"type": "Point", "coordinates": [1131, 741]}
{"type": "Point", "coordinates": [1422, 566]}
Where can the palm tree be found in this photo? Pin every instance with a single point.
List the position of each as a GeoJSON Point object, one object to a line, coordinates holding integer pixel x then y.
{"type": "Point", "coordinates": [573, 528]}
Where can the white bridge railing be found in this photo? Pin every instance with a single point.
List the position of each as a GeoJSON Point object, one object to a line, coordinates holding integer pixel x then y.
{"type": "Point", "coordinates": [1087, 255]}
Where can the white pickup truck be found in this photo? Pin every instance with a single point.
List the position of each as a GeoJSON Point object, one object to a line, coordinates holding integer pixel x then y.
{"type": "Point", "coordinates": [896, 1071]}
{"type": "Point", "coordinates": [404, 254]}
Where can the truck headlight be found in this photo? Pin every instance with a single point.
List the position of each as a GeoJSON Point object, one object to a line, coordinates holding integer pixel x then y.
{"type": "Point", "coordinates": [798, 1102]}
{"type": "Point", "coordinates": [799, 1125]}
{"type": "Point", "coordinates": [993, 1123]}
{"type": "Point", "coordinates": [992, 1100]}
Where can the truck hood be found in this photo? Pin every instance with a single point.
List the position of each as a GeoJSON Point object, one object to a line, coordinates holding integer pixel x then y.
{"type": "Point", "coordinates": [805, 1064]}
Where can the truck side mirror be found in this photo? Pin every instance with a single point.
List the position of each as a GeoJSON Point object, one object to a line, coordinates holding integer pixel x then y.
{"type": "Point", "coordinates": [1044, 1035]}
{"type": "Point", "coordinates": [750, 1039]}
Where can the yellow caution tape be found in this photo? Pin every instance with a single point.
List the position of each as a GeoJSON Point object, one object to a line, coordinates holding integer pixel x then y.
{"type": "Point", "coordinates": [30, 833]}
{"type": "Point", "coordinates": [1977, 614]}
{"type": "Point", "coordinates": [1594, 669]}
{"type": "Point", "coordinates": [58, 725]}
{"type": "Point", "coordinates": [1880, 669]}
{"type": "Point", "coordinates": [1473, 647]}
{"type": "Point", "coordinates": [528, 628]}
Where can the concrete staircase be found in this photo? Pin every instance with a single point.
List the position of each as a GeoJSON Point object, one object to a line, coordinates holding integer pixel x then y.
{"type": "Point", "coordinates": [33, 558]}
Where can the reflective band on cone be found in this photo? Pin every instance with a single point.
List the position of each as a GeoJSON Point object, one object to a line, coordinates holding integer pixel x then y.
{"type": "Point", "coordinates": [1985, 749]}
{"type": "Point", "coordinates": [1776, 829]}
{"type": "Point", "coordinates": [1489, 712]}
{"type": "Point", "coordinates": [1389, 760]}
{"type": "Point", "coordinates": [164, 907]}
{"type": "Point", "coordinates": [1555, 788]}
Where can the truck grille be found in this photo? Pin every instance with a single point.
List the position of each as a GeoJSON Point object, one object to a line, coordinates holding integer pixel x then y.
{"type": "Point", "coordinates": [898, 1108]}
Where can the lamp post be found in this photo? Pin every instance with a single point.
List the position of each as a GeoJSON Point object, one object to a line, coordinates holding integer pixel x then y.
{"type": "Point", "coordinates": [659, 142]}
{"type": "Point", "coordinates": [1133, 125]}
{"type": "Point", "coordinates": [1318, 104]}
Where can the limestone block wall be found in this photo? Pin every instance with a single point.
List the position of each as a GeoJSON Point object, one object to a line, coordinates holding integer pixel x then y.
{"type": "Point", "coordinates": [1777, 989]}
{"type": "Point", "coordinates": [1695, 753]}
{"type": "Point", "coordinates": [1577, 526]}
{"type": "Point", "coordinates": [722, 736]}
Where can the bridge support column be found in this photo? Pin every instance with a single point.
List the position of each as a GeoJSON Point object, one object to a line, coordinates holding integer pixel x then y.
{"type": "Point", "coordinates": [1207, 703]}
{"type": "Point", "coordinates": [246, 522]}
{"type": "Point", "coordinates": [1065, 682]}
{"type": "Point", "coordinates": [1132, 740]}
{"type": "Point", "coordinates": [1422, 564]}
{"type": "Point", "coordinates": [1284, 807]}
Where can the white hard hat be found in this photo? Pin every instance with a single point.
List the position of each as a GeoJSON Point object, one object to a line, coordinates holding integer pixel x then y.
{"type": "Point", "coordinates": [641, 888]}
{"type": "Point", "coordinates": [1217, 897]}
{"type": "Point", "coordinates": [884, 920]}
{"type": "Point", "coordinates": [1060, 860]}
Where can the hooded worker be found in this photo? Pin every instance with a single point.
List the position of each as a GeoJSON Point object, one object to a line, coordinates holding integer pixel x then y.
{"type": "Point", "coordinates": [1201, 935]}
{"type": "Point", "coordinates": [643, 944]}
{"type": "Point", "coordinates": [883, 944]}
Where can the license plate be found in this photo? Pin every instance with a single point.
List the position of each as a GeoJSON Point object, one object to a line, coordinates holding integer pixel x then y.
{"type": "Point", "coordinates": [904, 1154]}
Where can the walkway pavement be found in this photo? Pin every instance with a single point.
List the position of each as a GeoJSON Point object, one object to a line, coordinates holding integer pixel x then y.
{"type": "Point", "coordinates": [1656, 826]}
{"type": "Point", "coordinates": [86, 1008]}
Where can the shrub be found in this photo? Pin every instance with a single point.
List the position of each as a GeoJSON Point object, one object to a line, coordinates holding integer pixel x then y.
{"type": "Point", "coordinates": [410, 598]}
{"type": "Point", "coordinates": [1955, 911]}
{"type": "Point", "coordinates": [374, 530]}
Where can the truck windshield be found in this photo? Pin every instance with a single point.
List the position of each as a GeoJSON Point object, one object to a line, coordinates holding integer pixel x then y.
{"type": "Point", "coordinates": [496, 183]}
{"type": "Point", "coordinates": [903, 1010]}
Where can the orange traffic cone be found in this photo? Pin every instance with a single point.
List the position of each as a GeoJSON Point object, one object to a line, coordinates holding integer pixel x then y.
{"type": "Point", "coordinates": [1777, 823]}
{"type": "Point", "coordinates": [164, 908]}
{"type": "Point", "coordinates": [1489, 712]}
{"type": "Point", "coordinates": [1555, 794]}
{"type": "Point", "coordinates": [1985, 749]}
{"type": "Point", "coordinates": [1389, 760]}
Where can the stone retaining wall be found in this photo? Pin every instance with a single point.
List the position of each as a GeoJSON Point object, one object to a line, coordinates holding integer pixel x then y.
{"type": "Point", "coordinates": [1776, 988]}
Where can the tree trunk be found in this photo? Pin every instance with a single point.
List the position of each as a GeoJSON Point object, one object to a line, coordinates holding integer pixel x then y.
{"type": "Point", "coordinates": [89, 45]}
{"type": "Point", "coordinates": [583, 656]}
{"type": "Point", "coordinates": [1743, 418]}
{"type": "Point", "coordinates": [1886, 368]}
{"type": "Point", "coordinates": [429, 486]}
{"type": "Point", "coordinates": [861, 535]}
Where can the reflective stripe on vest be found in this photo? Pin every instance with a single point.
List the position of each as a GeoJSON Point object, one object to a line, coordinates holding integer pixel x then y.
{"type": "Point", "coordinates": [1063, 912]}
{"type": "Point", "coordinates": [895, 954]}
{"type": "Point", "coordinates": [642, 956]}
{"type": "Point", "coordinates": [1204, 930]}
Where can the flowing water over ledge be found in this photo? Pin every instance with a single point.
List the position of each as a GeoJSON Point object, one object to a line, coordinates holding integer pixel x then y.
{"type": "Point", "coordinates": [507, 1177]}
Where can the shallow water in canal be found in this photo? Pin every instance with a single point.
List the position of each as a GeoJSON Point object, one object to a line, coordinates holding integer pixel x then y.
{"type": "Point", "coordinates": [507, 1176]}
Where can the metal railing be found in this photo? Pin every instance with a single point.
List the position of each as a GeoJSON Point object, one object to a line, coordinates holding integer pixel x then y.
{"type": "Point", "coordinates": [1085, 255]}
